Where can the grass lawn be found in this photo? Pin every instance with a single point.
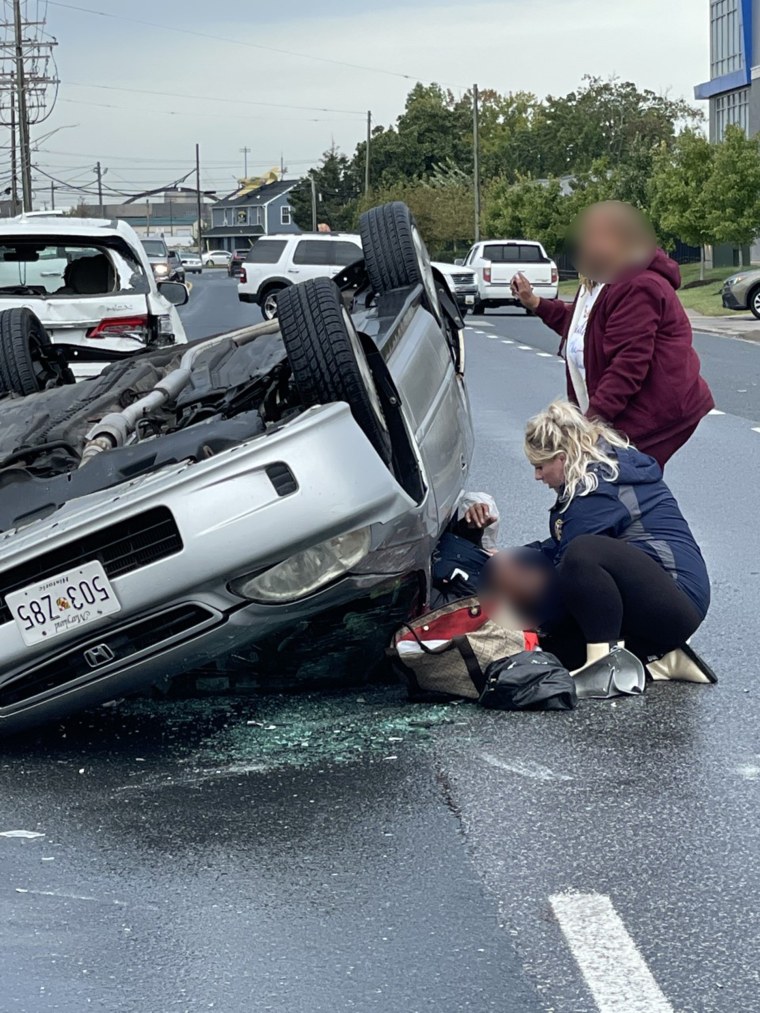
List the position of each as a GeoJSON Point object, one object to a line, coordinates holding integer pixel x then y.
{"type": "Point", "coordinates": [702, 299]}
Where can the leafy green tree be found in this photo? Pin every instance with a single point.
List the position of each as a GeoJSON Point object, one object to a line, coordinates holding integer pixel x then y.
{"type": "Point", "coordinates": [679, 191]}
{"type": "Point", "coordinates": [337, 189]}
{"type": "Point", "coordinates": [732, 193]}
{"type": "Point", "coordinates": [528, 210]}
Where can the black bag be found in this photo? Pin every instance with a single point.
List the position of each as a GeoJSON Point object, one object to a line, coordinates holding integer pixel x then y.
{"type": "Point", "coordinates": [531, 680]}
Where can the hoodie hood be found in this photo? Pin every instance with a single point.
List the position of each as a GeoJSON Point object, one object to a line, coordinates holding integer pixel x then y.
{"type": "Point", "coordinates": [636, 468]}
{"type": "Point", "coordinates": [660, 264]}
{"type": "Point", "coordinates": [665, 266]}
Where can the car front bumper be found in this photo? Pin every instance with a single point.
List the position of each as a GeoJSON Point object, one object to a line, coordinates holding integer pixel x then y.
{"type": "Point", "coordinates": [733, 298]}
{"type": "Point", "coordinates": [232, 522]}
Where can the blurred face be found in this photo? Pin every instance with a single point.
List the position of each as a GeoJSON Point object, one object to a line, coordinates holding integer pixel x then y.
{"type": "Point", "coordinates": [551, 473]}
{"type": "Point", "coordinates": [513, 582]}
{"type": "Point", "coordinates": [609, 238]}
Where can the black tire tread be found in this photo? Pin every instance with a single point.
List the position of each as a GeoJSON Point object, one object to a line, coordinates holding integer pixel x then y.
{"type": "Point", "coordinates": [389, 252]}
{"type": "Point", "coordinates": [17, 373]}
{"type": "Point", "coordinates": [322, 356]}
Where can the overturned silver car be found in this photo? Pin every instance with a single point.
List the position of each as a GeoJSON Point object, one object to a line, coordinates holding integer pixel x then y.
{"type": "Point", "coordinates": [238, 501]}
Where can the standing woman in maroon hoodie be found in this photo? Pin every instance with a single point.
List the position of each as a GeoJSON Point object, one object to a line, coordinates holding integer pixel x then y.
{"type": "Point", "coordinates": [638, 370]}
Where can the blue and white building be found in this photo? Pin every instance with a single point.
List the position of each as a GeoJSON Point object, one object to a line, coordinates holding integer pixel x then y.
{"type": "Point", "coordinates": [733, 90]}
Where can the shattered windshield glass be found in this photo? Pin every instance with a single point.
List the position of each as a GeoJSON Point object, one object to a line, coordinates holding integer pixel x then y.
{"type": "Point", "coordinates": [44, 268]}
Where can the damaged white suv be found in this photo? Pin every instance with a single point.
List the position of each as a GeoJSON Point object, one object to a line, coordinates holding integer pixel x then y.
{"type": "Point", "coordinates": [90, 284]}
{"type": "Point", "coordinates": [259, 500]}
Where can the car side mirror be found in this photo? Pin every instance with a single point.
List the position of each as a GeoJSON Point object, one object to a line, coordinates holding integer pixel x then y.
{"type": "Point", "coordinates": [459, 262]}
{"type": "Point", "coordinates": [176, 293]}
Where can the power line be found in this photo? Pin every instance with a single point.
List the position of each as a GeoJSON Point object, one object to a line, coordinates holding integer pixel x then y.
{"type": "Point", "coordinates": [191, 112]}
{"type": "Point", "coordinates": [239, 42]}
{"type": "Point", "coordinates": [211, 98]}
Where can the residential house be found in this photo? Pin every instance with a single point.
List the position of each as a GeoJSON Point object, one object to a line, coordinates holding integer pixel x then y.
{"type": "Point", "coordinates": [241, 218]}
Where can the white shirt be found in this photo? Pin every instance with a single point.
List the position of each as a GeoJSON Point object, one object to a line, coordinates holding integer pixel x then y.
{"type": "Point", "coordinates": [575, 342]}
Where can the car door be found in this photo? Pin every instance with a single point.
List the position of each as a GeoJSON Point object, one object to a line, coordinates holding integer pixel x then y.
{"type": "Point", "coordinates": [312, 258]}
{"type": "Point", "coordinates": [344, 253]}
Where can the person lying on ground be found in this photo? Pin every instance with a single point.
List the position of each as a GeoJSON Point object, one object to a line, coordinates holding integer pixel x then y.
{"type": "Point", "coordinates": [627, 340]}
{"type": "Point", "coordinates": [464, 548]}
{"type": "Point", "coordinates": [621, 566]}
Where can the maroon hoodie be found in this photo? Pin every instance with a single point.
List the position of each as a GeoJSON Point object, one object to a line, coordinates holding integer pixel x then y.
{"type": "Point", "coordinates": [642, 371]}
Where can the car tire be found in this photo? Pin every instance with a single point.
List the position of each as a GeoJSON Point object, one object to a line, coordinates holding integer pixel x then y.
{"type": "Point", "coordinates": [327, 358]}
{"type": "Point", "coordinates": [268, 301]}
{"type": "Point", "coordinates": [478, 310]}
{"type": "Point", "coordinates": [753, 302]}
{"type": "Point", "coordinates": [28, 361]}
{"type": "Point", "coordinates": [394, 252]}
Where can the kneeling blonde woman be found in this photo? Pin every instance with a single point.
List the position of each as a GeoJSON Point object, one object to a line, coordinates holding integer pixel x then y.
{"type": "Point", "coordinates": [624, 565]}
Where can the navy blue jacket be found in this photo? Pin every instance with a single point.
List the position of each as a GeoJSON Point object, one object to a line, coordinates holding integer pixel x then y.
{"type": "Point", "coordinates": [640, 509]}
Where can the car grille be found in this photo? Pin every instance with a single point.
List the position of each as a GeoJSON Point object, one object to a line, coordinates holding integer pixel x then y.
{"type": "Point", "coordinates": [463, 279]}
{"type": "Point", "coordinates": [121, 548]}
{"type": "Point", "coordinates": [122, 643]}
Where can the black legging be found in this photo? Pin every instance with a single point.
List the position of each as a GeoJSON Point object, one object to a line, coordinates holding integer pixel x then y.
{"type": "Point", "coordinates": [614, 591]}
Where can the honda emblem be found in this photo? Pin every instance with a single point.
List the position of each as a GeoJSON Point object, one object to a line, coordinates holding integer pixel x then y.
{"type": "Point", "coordinates": [100, 655]}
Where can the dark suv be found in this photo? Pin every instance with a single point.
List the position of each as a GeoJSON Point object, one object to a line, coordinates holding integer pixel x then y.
{"type": "Point", "coordinates": [236, 262]}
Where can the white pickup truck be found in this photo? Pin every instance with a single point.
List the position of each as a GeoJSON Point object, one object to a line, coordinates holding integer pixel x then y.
{"type": "Point", "coordinates": [497, 261]}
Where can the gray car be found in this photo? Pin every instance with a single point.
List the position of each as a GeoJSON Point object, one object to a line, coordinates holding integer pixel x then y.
{"type": "Point", "coordinates": [254, 501]}
{"type": "Point", "coordinates": [742, 291]}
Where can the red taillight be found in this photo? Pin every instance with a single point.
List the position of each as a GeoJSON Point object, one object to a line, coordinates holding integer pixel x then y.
{"type": "Point", "coordinates": [487, 275]}
{"type": "Point", "coordinates": [243, 276]}
{"type": "Point", "coordinates": [555, 276]}
{"type": "Point", "coordinates": [111, 327]}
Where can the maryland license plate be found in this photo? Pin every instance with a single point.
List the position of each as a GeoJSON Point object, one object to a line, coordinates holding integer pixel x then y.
{"type": "Point", "coordinates": [63, 603]}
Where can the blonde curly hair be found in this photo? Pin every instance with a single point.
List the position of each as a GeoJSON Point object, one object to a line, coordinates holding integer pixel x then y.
{"type": "Point", "coordinates": [588, 446]}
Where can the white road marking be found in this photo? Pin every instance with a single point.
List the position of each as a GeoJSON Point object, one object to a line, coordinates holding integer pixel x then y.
{"type": "Point", "coordinates": [610, 961]}
{"type": "Point", "coordinates": [525, 768]}
{"type": "Point", "coordinates": [507, 341]}
{"type": "Point", "coordinates": [544, 355]}
{"type": "Point", "coordinates": [484, 324]}
{"type": "Point", "coordinates": [493, 337]}
{"type": "Point", "coordinates": [714, 411]}
{"type": "Point", "coordinates": [756, 429]}
{"type": "Point", "coordinates": [525, 348]}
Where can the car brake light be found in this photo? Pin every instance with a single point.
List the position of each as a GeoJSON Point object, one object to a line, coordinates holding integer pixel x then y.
{"type": "Point", "coordinates": [487, 275]}
{"type": "Point", "coordinates": [113, 327]}
{"type": "Point", "coordinates": [243, 276]}
{"type": "Point", "coordinates": [555, 276]}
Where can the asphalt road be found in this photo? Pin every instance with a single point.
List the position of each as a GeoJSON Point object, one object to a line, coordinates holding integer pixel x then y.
{"type": "Point", "coordinates": [351, 852]}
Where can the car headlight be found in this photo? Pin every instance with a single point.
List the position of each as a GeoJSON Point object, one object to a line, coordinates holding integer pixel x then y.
{"type": "Point", "coordinates": [307, 571]}
{"type": "Point", "coordinates": [735, 280]}
{"type": "Point", "coordinates": [160, 269]}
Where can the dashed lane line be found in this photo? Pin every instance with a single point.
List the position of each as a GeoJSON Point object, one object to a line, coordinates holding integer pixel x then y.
{"type": "Point", "coordinates": [714, 411]}
{"type": "Point", "coordinates": [756, 429]}
{"type": "Point", "coordinates": [615, 971]}
{"type": "Point", "coordinates": [544, 355]}
{"type": "Point", "coordinates": [525, 348]}
{"type": "Point", "coordinates": [507, 341]}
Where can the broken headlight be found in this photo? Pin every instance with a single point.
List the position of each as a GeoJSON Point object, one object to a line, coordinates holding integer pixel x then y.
{"type": "Point", "coordinates": [307, 571]}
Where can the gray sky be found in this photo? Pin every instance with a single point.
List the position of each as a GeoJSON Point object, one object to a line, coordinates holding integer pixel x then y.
{"type": "Point", "coordinates": [543, 46]}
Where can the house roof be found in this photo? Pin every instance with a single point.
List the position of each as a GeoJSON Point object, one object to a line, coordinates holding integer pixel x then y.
{"type": "Point", "coordinates": [233, 230]}
{"type": "Point", "coordinates": [262, 195]}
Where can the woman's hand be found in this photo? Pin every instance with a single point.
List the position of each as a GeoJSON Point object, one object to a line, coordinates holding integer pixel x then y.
{"type": "Point", "coordinates": [479, 516]}
{"type": "Point", "coordinates": [523, 290]}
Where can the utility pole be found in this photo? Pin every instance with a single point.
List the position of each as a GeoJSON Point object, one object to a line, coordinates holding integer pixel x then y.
{"type": "Point", "coordinates": [282, 166]}
{"type": "Point", "coordinates": [313, 204]}
{"type": "Point", "coordinates": [14, 167]}
{"type": "Point", "coordinates": [476, 157]}
{"type": "Point", "coordinates": [23, 119]}
{"type": "Point", "coordinates": [245, 153]}
{"type": "Point", "coordinates": [99, 173]}
{"type": "Point", "coordinates": [198, 197]}
{"type": "Point", "coordinates": [366, 160]}
{"type": "Point", "coordinates": [52, 196]}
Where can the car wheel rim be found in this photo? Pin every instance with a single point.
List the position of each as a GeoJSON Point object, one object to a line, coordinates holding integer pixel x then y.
{"type": "Point", "coordinates": [756, 302]}
{"type": "Point", "coordinates": [270, 306]}
{"type": "Point", "coordinates": [364, 368]}
{"type": "Point", "coordinates": [428, 279]}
